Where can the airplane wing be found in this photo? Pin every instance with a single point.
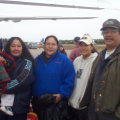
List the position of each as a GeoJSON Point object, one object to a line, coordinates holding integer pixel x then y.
{"type": "Point", "coordinates": [18, 19]}
{"type": "Point", "coordinates": [47, 4]}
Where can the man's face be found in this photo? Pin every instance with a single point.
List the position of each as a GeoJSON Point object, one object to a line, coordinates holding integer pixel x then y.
{"type": "Point", "coordinates": [111, 38]}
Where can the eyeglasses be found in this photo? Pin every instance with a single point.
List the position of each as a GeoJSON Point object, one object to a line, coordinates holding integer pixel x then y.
{"type": "Point", "coordinates": [50, 44]}
{"type": "Point", "coordinates": [112, 32]}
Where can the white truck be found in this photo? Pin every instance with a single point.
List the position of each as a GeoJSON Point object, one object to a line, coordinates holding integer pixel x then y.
{"type": "Point", "coordinates": [32, 45]}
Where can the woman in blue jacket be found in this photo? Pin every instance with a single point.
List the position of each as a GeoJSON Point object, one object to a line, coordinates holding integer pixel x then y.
{"type": "Point", "coordinates": [54, 73]}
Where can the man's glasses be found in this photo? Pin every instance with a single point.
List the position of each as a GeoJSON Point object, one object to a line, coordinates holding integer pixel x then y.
{"type": "Point", "coordinates": [112, 32]}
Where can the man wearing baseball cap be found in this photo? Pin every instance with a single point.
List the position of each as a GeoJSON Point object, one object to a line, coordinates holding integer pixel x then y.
{"type": "Point", "coordinates": [103, 89]}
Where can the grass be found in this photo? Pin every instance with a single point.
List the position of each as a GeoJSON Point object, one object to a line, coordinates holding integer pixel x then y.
{"type": "Point", "coordinates": [71, 46]}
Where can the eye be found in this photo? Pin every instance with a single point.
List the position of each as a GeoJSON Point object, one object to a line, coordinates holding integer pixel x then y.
{"type": "Point", "coordinates": [113, 31]}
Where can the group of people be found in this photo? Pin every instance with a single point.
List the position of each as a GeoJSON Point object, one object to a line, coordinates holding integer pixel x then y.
{"type": "Point", "coordinates": [83, 88]}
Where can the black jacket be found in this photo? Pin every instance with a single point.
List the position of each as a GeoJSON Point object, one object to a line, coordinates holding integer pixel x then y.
{"type": "Point", "coordinates": [20, 85]}
{"type": "Point", "coordinates": [46, 109]}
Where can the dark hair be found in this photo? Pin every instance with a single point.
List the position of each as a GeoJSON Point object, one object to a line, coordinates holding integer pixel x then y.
{"type": "Point", "coordinates": [119, 30]}
{"type": "Point", "coordinates": [25, 52]}
{"type": "Point", "coordinates": [94, 49]}
{"type": "Point", "coordinates": [53, 37]}
{"type": "Point", "coordinates": [63, 51]}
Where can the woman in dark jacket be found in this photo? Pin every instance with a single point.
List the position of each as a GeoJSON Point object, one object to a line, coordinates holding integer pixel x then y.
{"type": "Point", "coordinates": [21, 79]}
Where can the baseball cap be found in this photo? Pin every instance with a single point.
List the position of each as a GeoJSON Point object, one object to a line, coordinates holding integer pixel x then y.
{"type": "Point", "coordinates": [86, 39]}
{"type": "Point", "coordinates": [114, 23]}
{"type": "Point", "coordinates": [76, 39]}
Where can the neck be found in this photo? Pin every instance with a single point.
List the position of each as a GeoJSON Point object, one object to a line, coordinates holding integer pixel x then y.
{"type": "Point", "coordinates": [48, 56]}
{"type": "Point", "coordinates": [86, 56]}
{"type": "Point", "coordinates": [112, 47]}
{"type": "Point", "coordinates": [109, 48]}
{"type": "Point", "coordinates": [16, 57]}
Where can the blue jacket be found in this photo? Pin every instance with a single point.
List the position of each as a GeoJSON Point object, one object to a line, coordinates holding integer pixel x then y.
{"type": "Point", "coordinates": [55, 77]}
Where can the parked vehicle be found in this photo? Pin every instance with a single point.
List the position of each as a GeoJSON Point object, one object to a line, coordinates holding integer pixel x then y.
{"type": "Point", "coordinates": [32, 45]}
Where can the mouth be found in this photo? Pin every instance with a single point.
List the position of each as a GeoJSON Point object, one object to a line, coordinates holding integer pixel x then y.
{"type": "Point", "coordinates": [50, 50]}
{"type": "Point", "coordinates": [16, 51]}
{"type": "Point", "coordinates": [83, 51]}
{"type": "Point", "coordinates": [109, 39]}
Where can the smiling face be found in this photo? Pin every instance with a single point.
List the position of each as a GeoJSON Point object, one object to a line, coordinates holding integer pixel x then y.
{"type": "Point", "coordinates": [85, 49]}
{"type": "Point", "coordinates": [111, 38]}
{"type": "Point", "coordinates": [61, 49]}
{"type": "Point", "coordinates": [50, 47]}
{"type": "Point", "coordinates": [16, 48]}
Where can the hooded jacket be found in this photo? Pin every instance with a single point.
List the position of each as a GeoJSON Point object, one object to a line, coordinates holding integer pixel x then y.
{"type": "Point", "coordinates": [57, 76]}
{"type": "Point", "coordinates": [82, 70]}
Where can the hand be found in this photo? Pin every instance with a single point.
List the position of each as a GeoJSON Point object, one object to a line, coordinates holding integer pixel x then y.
{"type": "Point", "coordinates": [3, 60]}
{"type": "Point", "coordinates": [58, 98]}
{"type": "Point", "coordinates": [1, 92]}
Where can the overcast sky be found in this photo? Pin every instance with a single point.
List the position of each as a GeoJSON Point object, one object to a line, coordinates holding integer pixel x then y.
{"type": "Point", "coordinates": [63, 29]}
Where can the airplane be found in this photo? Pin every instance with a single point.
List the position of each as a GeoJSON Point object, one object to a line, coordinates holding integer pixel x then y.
{"type": "Point", "coordinates": [47, 4]}
{"type": "Point", "coordinates": [18, 19]}
{"type": "Point", "coordinates": [41, 42]}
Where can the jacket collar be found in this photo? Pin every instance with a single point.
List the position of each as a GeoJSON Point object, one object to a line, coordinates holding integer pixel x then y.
{"type": "Point", "coordinates": [51, 58]}
{"type": "Point", "coordinates": [117, 50]}
{"type": "Point", "coordinates": [113, 57]}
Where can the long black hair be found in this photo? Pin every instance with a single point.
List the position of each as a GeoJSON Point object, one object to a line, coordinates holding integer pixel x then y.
{"type": "Point", "coordinates": [25, 52]}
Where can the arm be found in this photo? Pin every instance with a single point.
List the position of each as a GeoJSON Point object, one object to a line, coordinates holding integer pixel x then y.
{"type": "Point", "coordinates": [2, 60]}
{"type": "Point", "coordinates": [23, 80]}
{"type": "Point", "coordinates": [117, 114]}
{"type": "Point", "coordinates": [4, 78]}
{"type": "Point", "coordinates": [72, 56]}
{"type": "Point", "coordinates": [69, 79]}
{"type": "Point", "coordinates": [9, 62]}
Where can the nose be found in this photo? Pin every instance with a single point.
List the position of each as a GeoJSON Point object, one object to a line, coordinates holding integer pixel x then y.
{"type": "Point", "coordinates": [50, 45]}
{"type": "Point", "coordinates": [83, 47]}
{"type": "Point", "coordinates": [109, 34]}
{"type": "Point", "coordinates": [16, 48]}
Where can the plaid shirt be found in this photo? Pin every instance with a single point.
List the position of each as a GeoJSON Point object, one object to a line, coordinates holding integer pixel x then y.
{"type": "Point", "coordinates": [74, 53]}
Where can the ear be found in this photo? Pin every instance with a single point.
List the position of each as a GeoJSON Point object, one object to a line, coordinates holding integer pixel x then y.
{"type": "Point", "coordinates": [57, 47]}
{"type": "Point", "coordinates": [92, 47]}
{"type": "Point", "coordinates": [44, 46]}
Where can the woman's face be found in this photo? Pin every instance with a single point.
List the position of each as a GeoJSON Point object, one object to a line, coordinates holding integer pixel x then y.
{"type": "Point", "coordinates": [85, 49]}
{"type": "Point", "coordinates": [16, 48]}
{"type": "Point", "coordinates": [61, 49]}
{"type": "Point", "coordinates": [50, 47]}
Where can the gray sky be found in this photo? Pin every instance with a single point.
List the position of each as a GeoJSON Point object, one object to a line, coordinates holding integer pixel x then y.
{"type": "Point", "coordinates": [63, 29]}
